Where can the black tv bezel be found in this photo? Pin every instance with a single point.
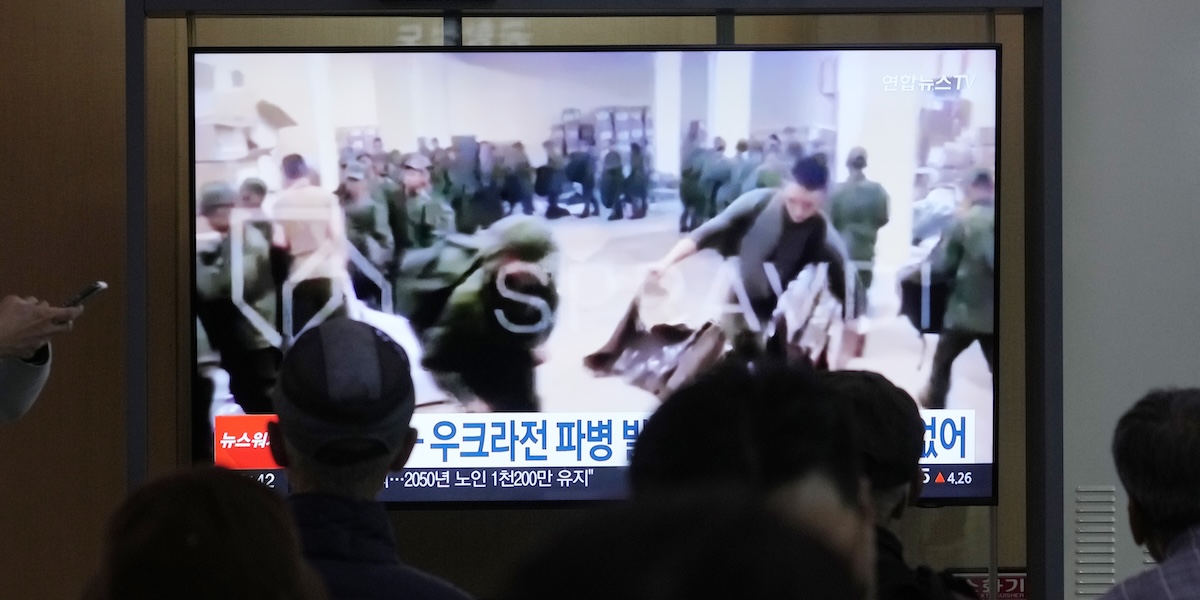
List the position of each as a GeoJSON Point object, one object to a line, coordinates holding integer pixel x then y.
{"type": "Point", "coordinates": [922, 502]}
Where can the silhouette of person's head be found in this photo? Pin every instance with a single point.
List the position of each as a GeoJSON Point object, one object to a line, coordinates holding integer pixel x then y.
{"type": "Point", "coordinates": [771, 428]}
{"type": "Point", "coordinates": [891, 438]}
{"type": "Point", "coordinates": [344, 399]}
{"type": "Point", "coordinates": [715, 544]}
{"type": "Point", "coordinates": [1155, 448]}
{"type": "Point", "coordinates": [208, 534]}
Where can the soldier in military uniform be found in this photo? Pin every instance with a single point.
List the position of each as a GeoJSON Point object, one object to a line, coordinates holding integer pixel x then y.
{"type": "Point", "coordinates": [747, 171]}
{"type": "Point", "coordinates": [967, 255]}
{"type": "Point", "coordinates": [773, 170]}
{"type": "Point", "coordinates": [483, 306]}
{"type": "Point", "coordinates": [859, 209]}
{"type": "Point", "coordinates": [518, 179]}
{"type": "Point", "coordinates": [581, 169]}
{"type": "Point", "coordinates": [550, 180]}
{"type": "Point", "coordinates": [612, 175]}
{"type": "Point", "coordinates": [428, 215]}
{"type": "Point", "coordinates": [715, 173]}
{"type": "Point", "coordinates": [731, 187]}
{"type": "Point", "coordinates": [637, 183]}
{"type": "Point", "coordinates": [691, 194]}
{"type": "Point", "coordinates": [462, 184]}
{"type": "Point", "coordinates": [487, 206]}
{"type": "Point", "coordinates": [368, 230]}
{"type": "Point", "coordinates": [246, 354]}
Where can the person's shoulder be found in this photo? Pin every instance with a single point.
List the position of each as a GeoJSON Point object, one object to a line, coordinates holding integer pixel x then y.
{"type": "Point", "coordinates": [980, 215]}
{"type": "Point", "coordinates": [419, 585]}
{"type": "Point", "coordinates": [1143, 586]}
{"type": "Point", "coordinates": [756, 197]}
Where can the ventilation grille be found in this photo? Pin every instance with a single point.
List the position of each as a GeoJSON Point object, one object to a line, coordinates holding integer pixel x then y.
{"type": "Point", "coordinates": [1095, 540]}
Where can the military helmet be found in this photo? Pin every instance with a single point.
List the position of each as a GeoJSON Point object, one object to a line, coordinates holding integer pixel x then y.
{"type": "Point", "coordinates": [527, 237]}
{"type": "Point", "coordinates": [979, 177]}
{"type": "Point", "coordinates": [355, 171]}
{"type": "Point", "coordinates": [416, 162]}
{"type": "Point", "coordinates": [216, 194]}
{"type": "Point", "coordinates": [857, 158]}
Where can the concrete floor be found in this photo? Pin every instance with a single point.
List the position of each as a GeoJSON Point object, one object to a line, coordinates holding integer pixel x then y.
{"type": "Point", "coordinates": [604, 265]}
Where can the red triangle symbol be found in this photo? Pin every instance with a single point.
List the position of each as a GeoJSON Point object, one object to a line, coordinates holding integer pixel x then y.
{"type": "Point", "coordinates": [940, 479]}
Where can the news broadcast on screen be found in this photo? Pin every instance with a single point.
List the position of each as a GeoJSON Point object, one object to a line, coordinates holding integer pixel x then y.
{"type": "Point", "coordinates": [560, 239]}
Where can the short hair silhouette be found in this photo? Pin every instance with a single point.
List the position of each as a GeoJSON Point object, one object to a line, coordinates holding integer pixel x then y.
{"type": "Point", "coordinates": [715, 544]}
{"type": "Point", "coordinates": [1156, 448]}
{"type": "Point", "coordinates": [760, 424]}
{"type": "Point", "coordinates": [207, 534]}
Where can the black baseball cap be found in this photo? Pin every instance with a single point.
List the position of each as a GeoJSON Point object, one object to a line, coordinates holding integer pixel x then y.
{"type": "Point", "coordinates": [345, 393]}
{"type": "Point", "coordinates": [891, 432]}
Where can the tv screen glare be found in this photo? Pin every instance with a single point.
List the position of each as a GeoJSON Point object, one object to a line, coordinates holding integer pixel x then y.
{"type": "Point", "coordinates": [558, 238]}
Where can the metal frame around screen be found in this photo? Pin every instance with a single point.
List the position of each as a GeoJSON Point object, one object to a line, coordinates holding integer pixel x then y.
{"type": "Point", "coordinates": [991, 500]}
{"type": "Point", "coordinates": [1043, 197]}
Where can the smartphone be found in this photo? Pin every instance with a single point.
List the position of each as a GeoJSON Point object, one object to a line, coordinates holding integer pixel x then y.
{"type": "Point", "coordinates": [86, 293]}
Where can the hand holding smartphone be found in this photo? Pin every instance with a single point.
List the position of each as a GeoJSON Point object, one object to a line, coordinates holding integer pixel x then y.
{"type": "Point", "coordinates": [85, 294]}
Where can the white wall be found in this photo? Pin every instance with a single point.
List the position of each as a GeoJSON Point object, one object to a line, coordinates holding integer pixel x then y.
{"type": "Point", "coordinates": [1131, 129]}
{"type": "Point", "coordinates": [491, 96]}
{"type": "Point", "coordinates": [787, 91]}
{"type": "Point", "coordinates": [886, 124]}
{"type": "Point", "coordinates": [353, 98]}
{"type": "Point", "coordinates": [695, 85]}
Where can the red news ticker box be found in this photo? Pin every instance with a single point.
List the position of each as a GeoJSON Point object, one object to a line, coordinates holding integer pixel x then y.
{"type": "Point", "coordinates": [241, 442]}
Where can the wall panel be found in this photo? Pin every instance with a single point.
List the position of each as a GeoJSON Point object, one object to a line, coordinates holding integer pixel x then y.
{"type": "Point", "coordinates": [62, 225]}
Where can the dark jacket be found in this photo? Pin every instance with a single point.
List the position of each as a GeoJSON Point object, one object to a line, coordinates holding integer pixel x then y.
{"type": "Point", "coordinates": [350, 544]}
{"type": "Point", "coordinates": [897, 581]}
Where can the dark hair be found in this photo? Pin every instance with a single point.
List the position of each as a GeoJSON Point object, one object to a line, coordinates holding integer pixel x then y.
{"type": "Point", "coordinates": [688, 548]}
{"type": "Point", "coordinates": [891, 433]}
{"type": "Point", "coordinates": [1156, 448]}
{"type": "Point", "coordinates": [255, 186]}
{"type": "Point", "coordinates": [294, 166]}
{"type": "Point", "coordinates": [206, 534]}
{"type": "Point", "coordinates": [982, 178]}
{"type": "Point", "coordinates": [759, 424]}
{"type": "Point", "coordinates": [811, 173]}
{"type": "Point", "coordinates": [742, 146]}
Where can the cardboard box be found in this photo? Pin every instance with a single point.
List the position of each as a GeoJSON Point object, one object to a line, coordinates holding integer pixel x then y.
{"type": "Point", "coordinates": [984, 156]}
{"type": "Point", "coordinates": [987, 136]}
{"type": "Point", "coordinates": [238, 131]}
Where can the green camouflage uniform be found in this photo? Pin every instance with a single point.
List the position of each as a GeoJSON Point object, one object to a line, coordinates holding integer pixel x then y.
{"type": "Point", "coordinates": [690, 193]}
{"type": "Point", "coordinates": [611, 178]}
{"type": "Point", "coordinates": [858, 209]}
{"type": "Point", "coordinates": [429, 218]}
{"type": "Point", "coordinates": [449, 294]}
{"type": "Point", "coordinates": [967, 255]}
{"type": "Point", "coordinates": [214, 280]}
{"type": "Point", "coordinates": [368, 229]}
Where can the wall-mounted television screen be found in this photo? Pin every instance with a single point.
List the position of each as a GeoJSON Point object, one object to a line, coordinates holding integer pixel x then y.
{"type": "Point", "coordinates": [561, 237]}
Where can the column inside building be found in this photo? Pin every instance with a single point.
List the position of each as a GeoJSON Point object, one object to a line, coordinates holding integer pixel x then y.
{"type": "Point", "coordinates": [667, 113]}
{"type": "Point", "coordinates": [326, 161]}
{"type": "Point", "coordinates": [887, 125]}
{"type": "Point", "coordinates": [427, 81]}
{"type": "Point", "coordinates": [729, 96]}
